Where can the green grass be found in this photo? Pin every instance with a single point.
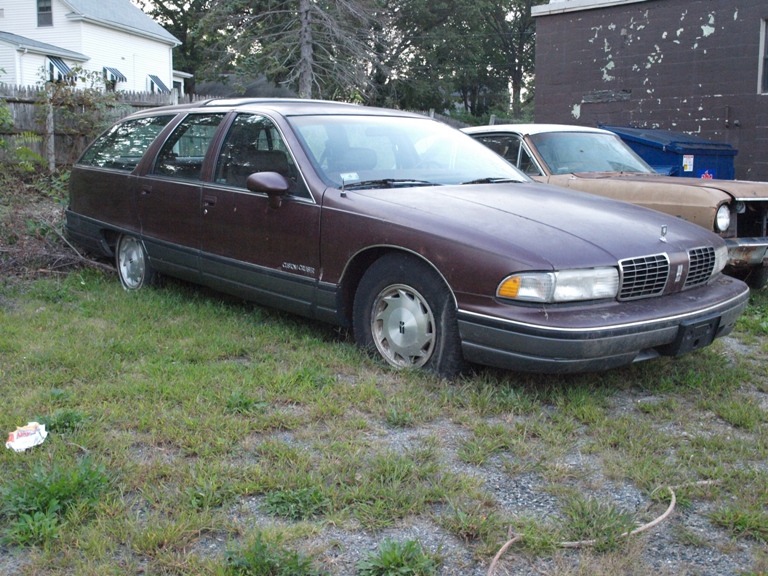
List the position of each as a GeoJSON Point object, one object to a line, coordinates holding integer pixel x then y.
{"type": "Point", "coordinates": [178, 416]}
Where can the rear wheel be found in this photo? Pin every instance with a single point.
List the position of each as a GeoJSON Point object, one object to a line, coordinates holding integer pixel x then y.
{"type": "Point", "coordinates": [405, 314]}
{"type": "Point", "coordinates": [133, 266]}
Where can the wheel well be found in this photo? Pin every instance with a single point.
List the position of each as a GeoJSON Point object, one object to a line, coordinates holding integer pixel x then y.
{"type": "Point", "coordinates": [360, 264]}
{"type": "Point", "coordinates": [110, 240]}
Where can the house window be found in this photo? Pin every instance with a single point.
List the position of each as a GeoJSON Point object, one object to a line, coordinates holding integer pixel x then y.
{"type": "Point", "coordinates": [157, 85]}
{"type": "Point", "coordinates": [58, 71]}
{"type": "Point", "coordinates": [44, 13]}
{"type": "Point", "coordinates": [111, 77]}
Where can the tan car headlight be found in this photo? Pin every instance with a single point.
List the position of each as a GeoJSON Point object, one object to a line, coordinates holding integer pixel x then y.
{"type": "Point", "coordinates": [723, 218]}
{"type": "Point", "coordinates": [562, 286]}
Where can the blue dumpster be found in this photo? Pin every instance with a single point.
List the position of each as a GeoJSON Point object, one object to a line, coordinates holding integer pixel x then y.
{"type": "Point", "coordinates": [679, 154]}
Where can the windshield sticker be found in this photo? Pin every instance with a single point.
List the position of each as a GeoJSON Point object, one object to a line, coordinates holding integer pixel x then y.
{"type": "Point", "coordinates": [349, 176]}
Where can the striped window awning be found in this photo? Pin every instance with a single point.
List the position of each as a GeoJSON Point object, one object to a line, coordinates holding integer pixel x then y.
{"type": "Point", "coordinates": [118, 76]}
{"type": "Point", "coordinates": [61, 66]}
{"type": "Point", "coordinates": [159, 83]}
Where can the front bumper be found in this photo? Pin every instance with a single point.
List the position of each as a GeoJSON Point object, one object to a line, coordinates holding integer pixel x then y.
{"type": "Point", "coordinates": [609, 336]}
{"type": "Point", "coordinates": [747, 252]}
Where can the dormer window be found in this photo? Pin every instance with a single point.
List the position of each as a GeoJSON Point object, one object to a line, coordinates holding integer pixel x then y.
{"type": "Point", "coordinates": [44, 13]}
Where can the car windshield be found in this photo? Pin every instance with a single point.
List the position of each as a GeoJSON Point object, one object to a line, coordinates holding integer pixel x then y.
{"type": "Point", "coordinates": [568, 152]}
{"type": "Point", "coordinates": [360, 151]}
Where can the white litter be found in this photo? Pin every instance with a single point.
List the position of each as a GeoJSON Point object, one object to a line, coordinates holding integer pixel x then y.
{"type": "Point", "coordinates": [26, 436]}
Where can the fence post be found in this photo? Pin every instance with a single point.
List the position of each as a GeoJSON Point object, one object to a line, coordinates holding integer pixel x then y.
{"type": "Point", "coordinates": [50, 131]}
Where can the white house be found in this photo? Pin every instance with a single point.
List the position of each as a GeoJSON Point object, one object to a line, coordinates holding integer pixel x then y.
{"type": "Point", "coordinates": [45, 39]}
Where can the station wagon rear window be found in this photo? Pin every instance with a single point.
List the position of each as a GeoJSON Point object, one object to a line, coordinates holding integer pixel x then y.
{"type": "Point", "coordinates": [183, 153]}
{"type": "Point", "coordinates": [122, 147]}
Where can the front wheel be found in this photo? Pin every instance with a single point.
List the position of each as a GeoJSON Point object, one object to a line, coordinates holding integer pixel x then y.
{"type": "Point", "coordinates": [133, 266]}
{"type": "Point", "coordinates": [404, 313]}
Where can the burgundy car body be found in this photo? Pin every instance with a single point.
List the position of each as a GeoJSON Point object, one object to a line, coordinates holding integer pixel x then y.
{"type": "Point", "coordinates": [307, 249]}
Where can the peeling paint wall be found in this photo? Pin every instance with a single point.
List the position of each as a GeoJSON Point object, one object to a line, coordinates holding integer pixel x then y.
{"type": "Point", "coordinates": [683, 65]}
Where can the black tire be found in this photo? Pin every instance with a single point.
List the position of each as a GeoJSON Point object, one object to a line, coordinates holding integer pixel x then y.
{"type": "Point", "coordinates": [405, 314]}
{"type": "Point", "coordinates": [757, 277]}
{"type": "Point", "coordinates": [133, 266]}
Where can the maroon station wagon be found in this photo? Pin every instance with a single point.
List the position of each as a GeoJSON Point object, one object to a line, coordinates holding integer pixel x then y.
{"type": "Point", "coordinates": [432, 248]}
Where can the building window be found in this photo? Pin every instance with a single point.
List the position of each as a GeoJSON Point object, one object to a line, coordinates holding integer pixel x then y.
{"type": "Point", "coordinates": [58, 71]}
{"type": "Point", "coordinates": [762, 86]}
{"type": "Point", "coordinates": [44, 13]}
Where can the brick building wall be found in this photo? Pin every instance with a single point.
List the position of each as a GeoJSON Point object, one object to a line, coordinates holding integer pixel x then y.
{"type": "Point", "coordinates": [690, 66]}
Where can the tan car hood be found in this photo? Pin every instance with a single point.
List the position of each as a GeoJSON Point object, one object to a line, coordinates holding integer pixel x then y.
{"type": "Point", "coordinates": [738, 189]}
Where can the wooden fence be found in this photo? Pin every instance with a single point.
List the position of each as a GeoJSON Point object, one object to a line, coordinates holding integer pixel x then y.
{"type": "Point", "coordinates": [75, 126]}
{"type": "Point", "coordinates": [31, 124]}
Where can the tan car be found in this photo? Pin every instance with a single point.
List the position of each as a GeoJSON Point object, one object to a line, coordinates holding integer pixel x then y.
{"type": "Point", "coordinates": [598, 161]}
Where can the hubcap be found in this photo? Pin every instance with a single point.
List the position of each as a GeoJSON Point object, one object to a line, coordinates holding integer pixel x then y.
{"type": "Point", "coordinates": [131, 263]}
{"type": "Point", "coordinates": [403, 326]}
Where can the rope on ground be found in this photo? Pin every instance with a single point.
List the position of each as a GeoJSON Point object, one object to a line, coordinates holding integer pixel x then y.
{"type": "Point", "coordinates": [586, 543]}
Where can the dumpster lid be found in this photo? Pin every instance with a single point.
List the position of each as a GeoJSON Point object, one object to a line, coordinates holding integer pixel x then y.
{"type": "Point", "coordinates": [677, 142]}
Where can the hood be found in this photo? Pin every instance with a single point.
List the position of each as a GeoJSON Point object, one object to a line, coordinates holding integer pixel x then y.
{"type": "Point", "coordinates": [737, 189]}
{"type": "Point", "coordinates": [544, 226]}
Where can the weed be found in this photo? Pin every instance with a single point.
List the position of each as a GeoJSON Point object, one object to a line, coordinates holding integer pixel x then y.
{"type": "Point", "coordinates": [37, 528]}
{"type": "Point", "coordinates": [393, 558]}
{"type": "Point", "coordinates": [590, 519]}
{"type": "Point", "coordinates": [487, 439]}
{"type": "Point", "coordinates": [63, 421]}
{"type": "Point", "coordinates": [480, 525]}
{"type": "Point", "coordinates": [36, 501]}
{"type": "Point", "coordinates": [743, 522]}
{"type": "Point", "coordinates": [300, 504]}
{"type": "Point", "coordinates": [740, 412]}
{"type": "Point", "coordinates": [207, 494]}
{"type": "Point", "coordinates": [262, 558]}
{"type": "Point", "coordinates": [239, 403]}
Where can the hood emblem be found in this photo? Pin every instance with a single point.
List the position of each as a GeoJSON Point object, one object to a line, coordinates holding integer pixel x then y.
{"type": "Point", "coordinates": [663, 236]}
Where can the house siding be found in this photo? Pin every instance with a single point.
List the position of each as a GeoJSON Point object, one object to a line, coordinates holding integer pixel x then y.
{"type": "Point", "coordinates": [134, 55]}
{"type": "Point", "coordinates": [682, 65]}
{"type": "Point", "coordinates": [21, 18]}
{"type": "Point", "coordinates": [8, 63]}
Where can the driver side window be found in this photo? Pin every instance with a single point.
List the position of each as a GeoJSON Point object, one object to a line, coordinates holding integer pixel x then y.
{"type": "Point", "coordinates": [254, 144]}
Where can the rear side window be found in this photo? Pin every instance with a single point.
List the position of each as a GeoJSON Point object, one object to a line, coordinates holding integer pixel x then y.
{"type": "Point", "coordinates": [183, 153]}
{"type": "Point", "coordinates": [123, 146]}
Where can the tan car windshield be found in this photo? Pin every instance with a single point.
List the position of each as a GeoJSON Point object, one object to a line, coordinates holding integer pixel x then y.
{"type": "Point", "coordinates": [569, 152]}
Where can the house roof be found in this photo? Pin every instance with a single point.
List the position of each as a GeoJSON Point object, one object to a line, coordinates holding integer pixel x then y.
{"type": "Point", "coordinates": [561, 6]}
{"type": "Point", "coordinates": [119, 14]}
{"type": "Point", "coordinates": [36, 47]}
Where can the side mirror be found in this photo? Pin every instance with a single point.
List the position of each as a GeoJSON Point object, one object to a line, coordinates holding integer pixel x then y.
{"type": "Point", "coordinates": [272, 184]}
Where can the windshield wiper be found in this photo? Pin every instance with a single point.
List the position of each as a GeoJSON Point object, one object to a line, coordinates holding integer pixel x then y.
{"type": "Point", "coordinates": [386, 183]}
{"type": "Point", "coordinates": [491, 181]}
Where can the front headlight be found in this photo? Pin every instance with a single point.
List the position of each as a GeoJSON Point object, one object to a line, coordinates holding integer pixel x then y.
{"type": "Point", "coordinates": [562, 286]}
{"type": "Point", "coordinates": [723, 218]}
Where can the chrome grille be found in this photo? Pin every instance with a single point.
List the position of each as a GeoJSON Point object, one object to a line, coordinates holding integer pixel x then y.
{"type": "Point", "coordinates": [643, 277]}
{"type": "Point", "coordinates": [702, 262]}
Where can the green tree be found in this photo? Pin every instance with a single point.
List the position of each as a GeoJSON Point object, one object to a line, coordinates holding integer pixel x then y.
{"type": "Point", "coordinates": [514, 35]}
{"type": "Point", "coordinates": [319, 48]}
{"type": "Point", "coordinates": [435, 53]}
